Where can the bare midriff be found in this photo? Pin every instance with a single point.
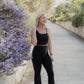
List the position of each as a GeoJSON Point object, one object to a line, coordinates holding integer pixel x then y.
{"type": "Point", "coordinates": [42, 45]}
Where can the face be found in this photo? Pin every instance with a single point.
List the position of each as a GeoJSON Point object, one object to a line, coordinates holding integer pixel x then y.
{"type": "Point", "coordinates": [43, 19]}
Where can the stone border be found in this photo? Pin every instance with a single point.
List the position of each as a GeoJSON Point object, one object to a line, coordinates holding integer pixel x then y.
{"type": "Point", "coordinates": [68, 26]}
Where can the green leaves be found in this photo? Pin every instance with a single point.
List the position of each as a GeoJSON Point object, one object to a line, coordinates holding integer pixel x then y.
{"type": "Point", "coordinates": [78, 19]}
{"type": "Point", "coordinates": [34, 7]}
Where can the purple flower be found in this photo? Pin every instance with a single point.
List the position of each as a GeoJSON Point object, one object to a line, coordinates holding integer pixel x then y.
{"type": "Point", "coordinates": [14, 46]}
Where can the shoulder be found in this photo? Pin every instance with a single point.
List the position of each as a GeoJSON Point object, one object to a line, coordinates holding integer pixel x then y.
{"type": "Point", "coordinates": [32, 30]}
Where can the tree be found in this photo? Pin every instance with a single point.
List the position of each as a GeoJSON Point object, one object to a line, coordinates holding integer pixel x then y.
{"type": "Point", "coordinates": [34, 7]}
{"type": "Point", "coordinates": [63, 8]}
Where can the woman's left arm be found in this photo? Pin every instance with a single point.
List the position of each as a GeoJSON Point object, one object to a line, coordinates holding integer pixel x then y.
{"type": "Point", "coordinates": [49, 41]}
{"type": "Point", "coordinates": [50, 44]}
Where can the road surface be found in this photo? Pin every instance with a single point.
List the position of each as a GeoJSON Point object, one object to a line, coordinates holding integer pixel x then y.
{"type": "Point", "coordinates": [68, 63]}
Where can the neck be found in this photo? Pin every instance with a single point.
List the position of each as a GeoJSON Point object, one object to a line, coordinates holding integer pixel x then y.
{"type": "Point", "coordinates": [41, 26]}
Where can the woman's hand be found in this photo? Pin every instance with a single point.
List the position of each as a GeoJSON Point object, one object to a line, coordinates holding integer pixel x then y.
{"type": "Point", "coordinates": [52, 59]}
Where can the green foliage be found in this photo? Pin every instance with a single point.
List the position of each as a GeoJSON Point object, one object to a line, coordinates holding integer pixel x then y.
{"type": "Point", "coordinates": [78, 1]}
{"type": "Point", "coordinates": [64, 17]}
{"type": "Point", "coordinates": [63, 8]}
{"type": "Point", "coordinates": [48, 7]}
{"type": "Point", "coordinates": [78, 20]}
{"type": "Point", "coordinates": [82, 6]}
{"type": "Point", "coordinates": [66, 11]}
{"type": "Point", "coordinates": [57, 15]}
{"type": "Point", "coordinates": [54, 20]}
{"type": "Point", "coordinates": [49, 19]}
{"type": "Point", "coordinates": [34, 7]}
{"type": "Point", "coordinates": [76, 7]}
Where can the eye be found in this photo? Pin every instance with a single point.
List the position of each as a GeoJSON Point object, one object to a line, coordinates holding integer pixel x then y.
{"type": "Point", "coordinates": [44, 18]}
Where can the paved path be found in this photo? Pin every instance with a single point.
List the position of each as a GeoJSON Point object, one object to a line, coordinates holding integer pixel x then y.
{"type": "Point", "coordinates": [68, 61]}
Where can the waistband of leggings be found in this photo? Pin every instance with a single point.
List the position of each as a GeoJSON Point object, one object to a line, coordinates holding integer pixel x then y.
{"type": "Point", "coordinates": [40, 46]}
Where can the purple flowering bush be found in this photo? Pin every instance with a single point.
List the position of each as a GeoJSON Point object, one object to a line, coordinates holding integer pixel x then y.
{"type": "Point", "coordinates": [14, 37]}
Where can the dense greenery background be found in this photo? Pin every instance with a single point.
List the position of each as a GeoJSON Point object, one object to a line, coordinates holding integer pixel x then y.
{"type": "Point", "coordinates": [73, 11]}
{"type": "Point", "coordinates": [34, 7]}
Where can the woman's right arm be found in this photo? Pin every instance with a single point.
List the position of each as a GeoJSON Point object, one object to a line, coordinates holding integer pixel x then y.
{"type": "Point", "coordinates": [33, 36]}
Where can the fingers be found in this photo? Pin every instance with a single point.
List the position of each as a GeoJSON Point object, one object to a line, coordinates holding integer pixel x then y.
{"type": "Point", "coordinates": [52, 59]}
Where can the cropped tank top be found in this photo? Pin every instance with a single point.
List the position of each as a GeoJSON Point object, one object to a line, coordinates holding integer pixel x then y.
{"type": "Point", "coordinates": [42, 38]}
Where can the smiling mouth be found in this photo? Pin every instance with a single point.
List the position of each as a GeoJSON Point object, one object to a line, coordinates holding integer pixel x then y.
{"type": "Point", "coordinates": [44, 21]}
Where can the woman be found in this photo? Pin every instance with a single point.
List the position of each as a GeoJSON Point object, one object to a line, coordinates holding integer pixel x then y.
{"type": "Point", "coordinates": [41, 39]}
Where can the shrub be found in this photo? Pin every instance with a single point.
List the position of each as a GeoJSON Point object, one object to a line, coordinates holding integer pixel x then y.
{"type": "Point", "coordinates": [63, 8]}
{"type": "Point", "coordinates": [49, 18]}
{"type": "Point", "coordinates": [54, 20]}
{"type": "Point", "coordinates": [57, 15]}
{"type": "Point", "coordinates": [60, 18]}
{"type": "Point", "coordinates": [14, 37]}
{"type": "Point", "coordinates": [65, 17]}
{"type": "Point", "coordinates": [78, 20]}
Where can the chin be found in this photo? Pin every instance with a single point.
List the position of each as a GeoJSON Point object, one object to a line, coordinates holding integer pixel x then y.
{"type": "Point", "coordinates": [44, 23]}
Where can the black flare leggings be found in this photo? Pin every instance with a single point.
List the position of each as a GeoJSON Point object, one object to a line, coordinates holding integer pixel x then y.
{"type": "Point", "coordinates": [40, 56]}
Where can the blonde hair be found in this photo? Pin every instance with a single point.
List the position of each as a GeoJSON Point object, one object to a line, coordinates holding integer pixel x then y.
{"type": "Point", "coordinates": [37, 18]}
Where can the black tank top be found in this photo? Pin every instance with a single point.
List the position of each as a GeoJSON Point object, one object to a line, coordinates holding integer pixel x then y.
{"type": "Point", "coordinates": [42, 38]}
